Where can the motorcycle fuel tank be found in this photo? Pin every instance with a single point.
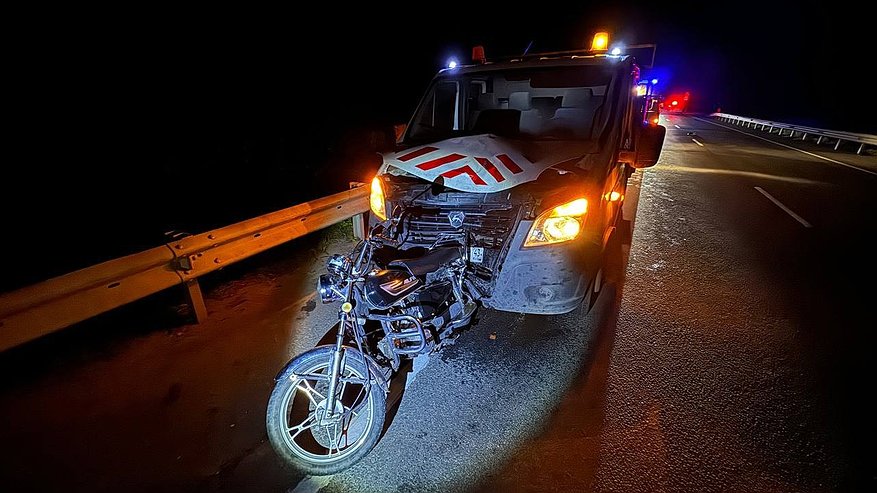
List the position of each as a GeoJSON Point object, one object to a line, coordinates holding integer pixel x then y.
{"type": "Point", "coordinates": [386, 287]}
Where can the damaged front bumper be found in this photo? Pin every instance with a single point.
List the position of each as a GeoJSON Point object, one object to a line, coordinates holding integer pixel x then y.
{"type": "Point", "coordinates": [548, 280]}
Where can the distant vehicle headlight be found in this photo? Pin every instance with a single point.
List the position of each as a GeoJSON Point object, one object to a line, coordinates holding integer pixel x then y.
{"type": "Point", "coordinates": [376, 199]}
{"type": "Point", "coordinates": [562, 223]}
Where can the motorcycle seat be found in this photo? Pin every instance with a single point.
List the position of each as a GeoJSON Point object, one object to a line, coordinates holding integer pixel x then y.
{"type": "Point", "coordinates": [431, 261]}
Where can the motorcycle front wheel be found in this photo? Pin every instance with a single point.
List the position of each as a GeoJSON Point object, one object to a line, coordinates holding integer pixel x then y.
{"type": "Point", "coordinates": [310, 435]}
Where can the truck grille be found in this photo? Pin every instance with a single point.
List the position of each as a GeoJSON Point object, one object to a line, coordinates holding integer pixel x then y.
{"type": "Point", "coordinates": [491, 224]}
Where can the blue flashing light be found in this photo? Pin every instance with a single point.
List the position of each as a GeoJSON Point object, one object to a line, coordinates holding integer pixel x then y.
{"type": "Point", "coordinates": [452, 63]}
{"type": "Point", "coordinates": [654, 81]}
{"type": "Point", "coordinates": [616, 51]}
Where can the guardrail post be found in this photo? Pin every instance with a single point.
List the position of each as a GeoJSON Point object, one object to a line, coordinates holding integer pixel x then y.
{"type": "Point", "coordinates": [196, 300]}
{"type": "Point", "coordinates": [360, 225]}
{"type": "Point", "coordinates": [819, 139]}
{"type": "Point", "coordinates": [861, 148]}
{"type": "Point", "coordinates": [837, 145]}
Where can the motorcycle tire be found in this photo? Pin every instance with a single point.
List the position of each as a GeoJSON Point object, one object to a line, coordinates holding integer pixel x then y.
{"type": "Point", "coordinates": [364, 412]}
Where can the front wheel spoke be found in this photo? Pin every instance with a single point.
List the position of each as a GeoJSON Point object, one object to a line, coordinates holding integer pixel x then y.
{"type": "Point", "coordinates": [309, 391]}
{"type": "Point", "coordinates": [308, 423]}
{"type": "Point", "coordinates": [356, 403]}
{"type": "Point", "coordinates": [339, 394]}
{"type": "Point", "coordinates": [333, 437]}
{"type": "Point", "coordinates": [345, 431]}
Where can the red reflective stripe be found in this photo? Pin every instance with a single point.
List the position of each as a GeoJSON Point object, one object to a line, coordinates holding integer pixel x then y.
{"type": "Point", "coordinates": [435, 163]}
{"type": "Point", "coordinates": [493, 170]}
{"type": "Point", "coordinates": [419, 152]}
{"type": "Point", "coordinates": [508, 163]}
{"type": "Point", "coordinates": [465, 169]}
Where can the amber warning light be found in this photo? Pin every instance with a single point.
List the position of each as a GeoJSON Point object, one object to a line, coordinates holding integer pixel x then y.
{"type": "Point", "coordinates": [600, 41]}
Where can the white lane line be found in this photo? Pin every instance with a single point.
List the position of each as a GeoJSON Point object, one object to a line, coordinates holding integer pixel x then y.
{"type": "Point", "coordinates": [310, 484]}
{"type": "Point", "coordinates": [790, 147]}
{"type": "Point", "coordinates": [677, 126]}
{"type": "Point", "coordinates": [696, 142]}
{"type": "Point", "coordinates": [783, 207]}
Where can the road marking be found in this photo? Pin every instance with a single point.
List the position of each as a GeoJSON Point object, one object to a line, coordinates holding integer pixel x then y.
{"type": "Point", "coordinates": [696, 142]}
{"type": "Point", "coordinates": [783, 207]}
{"type": "Point", "coordinates": [677, 126]}
{"type": "Point", "coordinates": [310, 484]}
{"type": "Point", "coordinates": [791, 147]}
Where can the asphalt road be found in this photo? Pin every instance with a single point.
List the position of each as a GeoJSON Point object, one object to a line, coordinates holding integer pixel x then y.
{"type": "Point", "coordinates": [732, 352]}
{"type": "Point", "coordinates": [744, 349]}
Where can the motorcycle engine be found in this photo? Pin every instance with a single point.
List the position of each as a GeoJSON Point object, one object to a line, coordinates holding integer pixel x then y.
{"type": "Point", "coordinates": [430, 302]}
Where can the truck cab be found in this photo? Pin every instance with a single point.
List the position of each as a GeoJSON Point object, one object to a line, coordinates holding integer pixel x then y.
{"type": "Point", "coordinates": [531, 156]}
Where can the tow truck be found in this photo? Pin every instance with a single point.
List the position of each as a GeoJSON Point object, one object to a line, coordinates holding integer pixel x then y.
{"type": "Point", "coordinates": [531, 156]}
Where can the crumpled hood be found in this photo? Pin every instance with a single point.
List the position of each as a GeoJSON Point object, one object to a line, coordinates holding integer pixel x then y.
{"type": "Point", "coordinates": [484, 163]}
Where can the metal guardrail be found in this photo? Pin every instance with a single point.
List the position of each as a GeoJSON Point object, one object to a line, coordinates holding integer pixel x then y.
{"type": "Point", "coordinates": [821, 134]}
{"type": "Point", "coordinates": [42, 308]}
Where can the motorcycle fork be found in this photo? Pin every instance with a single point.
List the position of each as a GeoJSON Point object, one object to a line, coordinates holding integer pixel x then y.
{"type": "Point", "coordinates": [335, 366]}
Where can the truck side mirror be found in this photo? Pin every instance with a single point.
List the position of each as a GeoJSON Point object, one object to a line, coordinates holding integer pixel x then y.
{"type": "Point", "coordinates": [648, 146]}
{"type": "Point", "coordinates": [399, 131]}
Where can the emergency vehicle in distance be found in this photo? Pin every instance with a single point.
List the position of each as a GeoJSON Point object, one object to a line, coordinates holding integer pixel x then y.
{"type": "Point", "coordinates": [531, 155]}
{"type": "Point", "coordinates": [676, 102]}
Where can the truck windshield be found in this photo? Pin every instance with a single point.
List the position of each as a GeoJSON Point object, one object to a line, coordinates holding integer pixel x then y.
{"type": "Point", "coordinates": [540, 103]}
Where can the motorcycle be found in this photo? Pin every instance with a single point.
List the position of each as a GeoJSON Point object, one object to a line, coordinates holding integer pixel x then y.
{"type": "Point", "coordinates": [327, 409]}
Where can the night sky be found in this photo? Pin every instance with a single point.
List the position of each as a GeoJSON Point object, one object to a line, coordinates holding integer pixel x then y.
{"type": "Point", "coordinates": [188, 119]}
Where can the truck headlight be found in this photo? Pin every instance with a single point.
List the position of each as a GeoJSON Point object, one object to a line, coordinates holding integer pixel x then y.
{"type": "Point", "coordinates": [563, 223]}
{"type": "Point", "coordinates": [376, 199]}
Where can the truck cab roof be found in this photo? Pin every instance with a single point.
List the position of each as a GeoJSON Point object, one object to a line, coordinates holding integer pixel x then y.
{"type": "Point", "coordinates": [492, 126]}
{"type": "Point", "coordinates": [539, 60]}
